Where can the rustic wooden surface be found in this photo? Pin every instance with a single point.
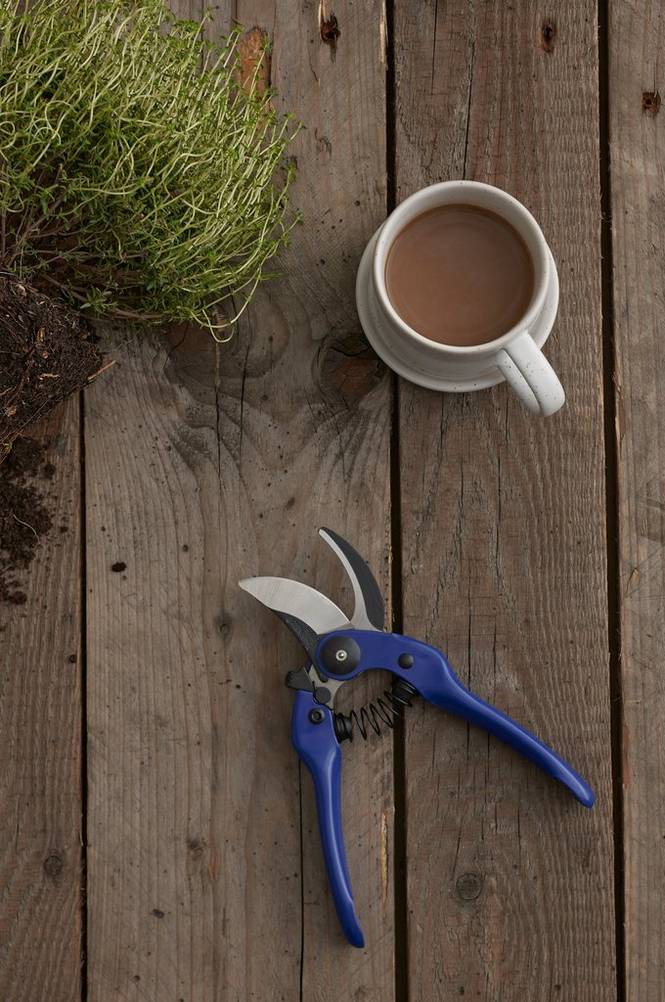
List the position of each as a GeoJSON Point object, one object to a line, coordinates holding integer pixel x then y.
{"type": "Point", "coordinates": [41, 749]}
{"type": "Point", "coordinates": [638, 187]}
{"type": "Point", "coordinates": [503, 523]}
{"type": "Point", "coordinates": [167, 850]}
{"type": "Point", "coordinates": [204, 467]}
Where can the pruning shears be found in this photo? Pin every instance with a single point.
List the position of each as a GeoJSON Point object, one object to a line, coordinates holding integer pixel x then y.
{"type": "Point", "coordinates": [338, 650]}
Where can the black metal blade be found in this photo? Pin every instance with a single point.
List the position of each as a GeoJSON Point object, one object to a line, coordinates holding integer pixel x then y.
{"type": "Point", "coordinates": [370, 610]}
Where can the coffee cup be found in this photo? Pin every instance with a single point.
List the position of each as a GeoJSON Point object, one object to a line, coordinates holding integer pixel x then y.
{"type": "Point", "coordinates": [514, 357]}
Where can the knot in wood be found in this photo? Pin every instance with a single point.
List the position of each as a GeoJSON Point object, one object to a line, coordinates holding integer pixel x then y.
{"type": "Point", "coordinates": [330, 30]}
{"type": "Point", "coordinates": [469, 886]}
{"type": "Point", "coordinates": [53, 866]}
{"type": "Point", "coordinates": [195, 847]}
{"type": "Point", "coordinates": [349, 368]}
{"type": "Point", "coordinates": [547, 35]}
{"type": "Point", "coordinates": [651, 102]}
{"type": "Point", "coordinates": [224, 626]}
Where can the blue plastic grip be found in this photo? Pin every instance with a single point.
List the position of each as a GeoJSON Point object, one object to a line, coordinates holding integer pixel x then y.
{"type": "Point", "coordinates": [436, 681]}
{"type": "Point", "coordinates": [455, 698]}
{"type": "Point", "coordinates": [313, 737]}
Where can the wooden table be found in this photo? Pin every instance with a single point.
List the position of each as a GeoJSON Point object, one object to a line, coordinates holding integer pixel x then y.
{"type": "Point", "coordinates": [158, 838]}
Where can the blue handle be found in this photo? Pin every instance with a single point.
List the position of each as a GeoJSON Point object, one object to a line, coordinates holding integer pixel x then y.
{"type": "Point", "coordinates": [432, 676]}
{"type": "Point", "coordinates": [451, 695]}
{"type": "Point", "coordinates": [313, 736]}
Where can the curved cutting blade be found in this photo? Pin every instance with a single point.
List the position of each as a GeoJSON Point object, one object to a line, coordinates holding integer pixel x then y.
{"type": "Point", "coordinates": [369, 613]}
{"type": "Point", "coordinates": [306, 612]}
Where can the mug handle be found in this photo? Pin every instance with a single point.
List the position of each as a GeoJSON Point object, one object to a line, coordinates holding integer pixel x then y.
{"type": "Point", "coordinates": [531, 376]}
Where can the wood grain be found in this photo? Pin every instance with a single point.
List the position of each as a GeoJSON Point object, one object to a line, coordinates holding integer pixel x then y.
{"type": "Point", "coordinates": [636, 37]}
{"type": "Point", "coordinates": [204, 466]}
{"type": "Point", "coordinates": [510, 882]}
{"type": "Point", "coordinates": [40, 748]}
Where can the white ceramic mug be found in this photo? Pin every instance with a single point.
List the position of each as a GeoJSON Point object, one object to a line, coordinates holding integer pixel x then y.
{"type": "Point", "coordinates": [514, 357]}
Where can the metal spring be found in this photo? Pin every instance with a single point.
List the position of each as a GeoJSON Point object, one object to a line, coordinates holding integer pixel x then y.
{"type": "Point", "coordinates": [381, 713]}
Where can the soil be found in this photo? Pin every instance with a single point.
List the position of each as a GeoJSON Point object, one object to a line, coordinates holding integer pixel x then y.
{"type": "Point", "coordinates": [47, 352]}
{"type": "Point", "coordinates": [24, 514]}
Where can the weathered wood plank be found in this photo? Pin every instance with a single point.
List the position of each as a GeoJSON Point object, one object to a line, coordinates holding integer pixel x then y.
{"type": "Point", "coordinates": [40, 748]}
{"type": "Point", "coordinates": [637, 33]}
{"type": "Point", "coordinates": [328, 65]}
{"type": "Point", "coordinates": [510, 883]}
{"type": "Point", "coordinates": [203, 467]}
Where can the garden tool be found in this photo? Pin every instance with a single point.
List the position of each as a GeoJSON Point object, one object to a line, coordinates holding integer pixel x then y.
{"type": "Point", "coordinates": [338, 650]}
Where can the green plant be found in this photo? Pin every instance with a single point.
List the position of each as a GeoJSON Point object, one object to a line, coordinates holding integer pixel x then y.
{"type": "Point", "coordinates": [138, 177]}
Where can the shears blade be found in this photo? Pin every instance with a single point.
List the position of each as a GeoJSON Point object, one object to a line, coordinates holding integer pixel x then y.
{"type": "Point", "coordinates": [306, 612]}
{"type": "Point", "coordinates": [369, 612]}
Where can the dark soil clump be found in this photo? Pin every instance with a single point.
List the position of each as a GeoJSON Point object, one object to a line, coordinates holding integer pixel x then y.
{"type": "Point", "coordinates": [24, 514]}
{"type": "Point", "coordinates": [47, 352]}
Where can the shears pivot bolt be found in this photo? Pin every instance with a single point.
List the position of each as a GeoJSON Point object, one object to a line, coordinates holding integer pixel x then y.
{"type": "Point", "coordinates": [339, 655]}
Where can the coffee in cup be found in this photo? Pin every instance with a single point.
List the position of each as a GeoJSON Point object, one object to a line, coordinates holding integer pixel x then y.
{"type": "Point", "coordinates": [460, 274]}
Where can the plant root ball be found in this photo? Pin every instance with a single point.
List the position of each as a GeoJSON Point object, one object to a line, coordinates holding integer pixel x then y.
{"type": "Point", "coordinates": [47, 352]}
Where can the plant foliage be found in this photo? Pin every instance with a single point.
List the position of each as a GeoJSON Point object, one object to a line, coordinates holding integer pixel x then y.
{"type": "Point", "coordinates": [138, 178]}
